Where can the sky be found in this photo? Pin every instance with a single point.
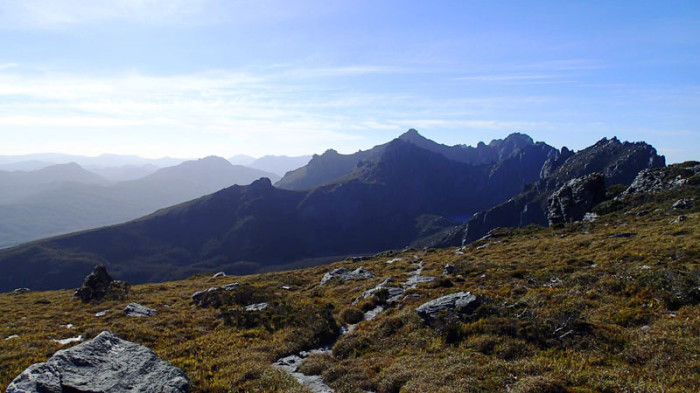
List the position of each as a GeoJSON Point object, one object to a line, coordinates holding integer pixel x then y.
{"type": "Point", "coordinates": [191, 78]}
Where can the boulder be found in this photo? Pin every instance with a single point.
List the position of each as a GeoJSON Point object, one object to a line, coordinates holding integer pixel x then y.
{"type": "Point", "coordinates": [448, 270]}
{"type": "Point", "coordinates": [219, 274]}
{"type": "Point", "coordinates": [212, 296]}
{"type": "Point", "coordinates": [256, 307]}
{"type": "Point", "coordinates": [575, 198]}
{"type": "Point", "coordinates": [683, 204]}
{"type": "Point", "coordinates": [393, 293]}
{"type": "Point", "coordinates": [21, 290]}
{"type": "Point", "coordinates": [103, 364]}
{"type": "Point", "coordinates": [459, 303]}
{"type": "Point", "coordinates": [137, 310]}
{"type": "Point", "coordinates": [99, 285]}
{"type": "Point", "coordinates": [346, 274]}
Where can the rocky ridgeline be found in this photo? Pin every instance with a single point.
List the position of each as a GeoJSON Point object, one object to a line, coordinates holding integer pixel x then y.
{"type": "Point", "coordinates": [103, 364]}
{"type": "Point", "coordinates": [564, 190]}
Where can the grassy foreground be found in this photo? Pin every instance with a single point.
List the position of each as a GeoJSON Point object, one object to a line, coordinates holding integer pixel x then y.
{"type": "Point", "coordinates": [567, 309]}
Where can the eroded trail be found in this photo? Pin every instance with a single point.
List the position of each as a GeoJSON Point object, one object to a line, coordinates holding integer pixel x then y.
{"type": "Point", "coordinates": [315, 383]}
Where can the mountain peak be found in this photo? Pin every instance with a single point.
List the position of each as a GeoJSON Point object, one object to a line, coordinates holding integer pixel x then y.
{"type": "Point", "coordinates": [411, 136]}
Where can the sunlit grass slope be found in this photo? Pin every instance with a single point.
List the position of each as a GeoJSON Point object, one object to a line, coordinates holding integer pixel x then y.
{"type": "Point", "coordinates": [570, 309]}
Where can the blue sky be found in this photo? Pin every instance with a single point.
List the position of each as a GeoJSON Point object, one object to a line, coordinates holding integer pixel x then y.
{"type": "Point", "coordinates": [196, 77]}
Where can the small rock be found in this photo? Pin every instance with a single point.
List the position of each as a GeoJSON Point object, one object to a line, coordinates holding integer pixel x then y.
{"type": "Point", "coordinates": [21, 290]}
{"type": "Point", "coordinates": [346, 274]}
{"type": "Point", "coordinates": [101, 313]}
{"type": "Point", "coordinates": [229, 287]}
{"type": "Point", "coordinates": [590, 217]}
{"type": "Point", "coordinates": [686, 203]}
{"type": "Point", "coordinates": [69, 340]}
{"type": "Point", "coordinates": [286, 287]}
{"type": "Point", "coordinates": [104, 364]}
{"type": "Point", "coordinates": [645, 328]}
{"type": "Point", "coordinates": [212, 295]}
{"type": "Point", "coordinates": [460, 302]}
{"type": "Point", "coordinates": [680, 218]}
{"type": "Point", "coordinates": [448, 270]}
{"type": "Point", "coordinates": [622, 235]}
{"type": "Point", "coordinates": [394, 260]}
{"type": "Point", "coordinates": [137, 310]}
{"type": "Point", "coordinates": [256, 307]}
{"type": "Point", "coordinates": [68, 326]}
{"type": "Point", "coordinates": [219, 274]}
{"type": "Point", "coordinates": [642, 213]}
{"type": "Point", "coordinates": [11, 337]}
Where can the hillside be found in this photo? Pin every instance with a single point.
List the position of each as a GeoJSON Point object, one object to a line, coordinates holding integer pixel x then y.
{"type": "Point", "coordinates": [604, 306]}
{"type": "Point", "coordinates": [404, 194]}
{"type": "Point", "coordinates": [58, 207]}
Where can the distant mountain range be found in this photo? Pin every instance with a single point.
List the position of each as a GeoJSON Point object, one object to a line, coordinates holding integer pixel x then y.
{"type": "Point", "coordinates": [65, 198]}
{"type": "Point", "coordinates": [408, 191]}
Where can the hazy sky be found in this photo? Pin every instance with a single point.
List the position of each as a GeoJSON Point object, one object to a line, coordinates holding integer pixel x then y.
{"type": "Point", "coordinates": [195, 77]}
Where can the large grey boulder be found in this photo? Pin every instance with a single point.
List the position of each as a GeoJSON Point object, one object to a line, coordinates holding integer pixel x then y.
{"type": "Point", "coordinates": [346, 274]}
{"type": "Point", "coordinates": [99, 285]}
{"type": "Point", "coordinates": [575, 198]}
{"type": "Point", "coordinates": [460, 303]}
{"type": "Point", "coordinates": [103, 364]}
{"type": "Point", "coordinates": [137, 310]}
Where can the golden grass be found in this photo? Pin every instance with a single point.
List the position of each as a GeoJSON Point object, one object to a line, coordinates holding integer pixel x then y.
{"type": "Point", "coordinates": [567, 309]}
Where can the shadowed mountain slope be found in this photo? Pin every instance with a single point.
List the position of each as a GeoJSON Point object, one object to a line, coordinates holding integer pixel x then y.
{"type": "Point", "coordinates": [404, 193]}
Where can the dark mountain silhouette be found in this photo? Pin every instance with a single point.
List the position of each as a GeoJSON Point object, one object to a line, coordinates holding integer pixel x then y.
{"type": "Point", "coordinates": [73, 206]}
{"type": "Point", "coordinates": [619, 163]}
{"type": "Point", "coordinates": [324, 168]}
{"type": "Point", "coordinates": [399, 194]}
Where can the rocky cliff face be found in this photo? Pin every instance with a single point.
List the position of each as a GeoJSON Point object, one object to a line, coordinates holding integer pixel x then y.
{"type": "Point", "coordinates": [618, 162]}
{"type": "Point", "coordinates": [575, 198]}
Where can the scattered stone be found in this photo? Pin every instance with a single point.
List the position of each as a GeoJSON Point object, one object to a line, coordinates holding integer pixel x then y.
{"type": "Point", "coordinates": [680, 218]}
{"type": "Point", "coordinates": [642, 213]}
{"type": "Point", "coordinates": [360, 259]}
{"type": "Point", "coordinates": [481, 247]}
{"type": "Point", "coordinates": [622, 235]}
{"type": "Point", "coordinates": [686, 203]}
{"type": "Point", "coordinates": [346, 274]}
{"type": "Point", "coordinates": [69, 340]}
{"type": "Point", "coordinates": [137, 310]}
{"type": "Point", "coordinates": [590, 217]}
{"type": "Point", "coordinates": [212, 295]}
{"type": "Point", "coordinates": [393, 292]}
{"type": "Point", "coordinates": [11, 337]}
{"type": "Point", "coordinates": [219, 274]}
{"type": "Point", "coordinates": [389, 262]}
{"type": "Point", "coordinates": [21, 290]}
{"type": "Point", "coordinates": [645, 267]}
{"type": "Point", "coordinates": [291, 364]}
{"type": "Point", "coordinates": [575, 198]}
{"type": "Point", "coordinates": [286, 287]}
{"type": "Point", "coordinates": [460, 302]}
{"type": "Point", "coordinates": [68, 326]}
{"type": "Point", "coordinates": [104, 364]}
{"type": "Point", "coordinates": [256, 307]}
{"type": "Point", "coordinates": [101, 313]}
{"type": "Point", "coordinates": [645, 328]}
{"type": "Point", "coordinates": [448, 270]}
{"type": "Point", "coordinates": [99, 285]}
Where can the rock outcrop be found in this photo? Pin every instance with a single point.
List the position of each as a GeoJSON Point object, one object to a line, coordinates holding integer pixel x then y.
{"type": "Point", "coordinates": [346, 274]}
{"type": "Point", "coordinates": [103, 364]}
{"type": "Point", "coordinates": [459, 303]}
{"type": "Point", "coordinates": [137, 310]}
{"type": "Point", "coordinates": [212, 296]}
{"type": "Point", "coordinates": [99, 286]}
{"type": "Point", "coordinates": [575, 198]}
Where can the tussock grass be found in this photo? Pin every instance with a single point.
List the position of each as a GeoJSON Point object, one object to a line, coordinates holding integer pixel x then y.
{"type": "Point", "coordinates": [570, 309]}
